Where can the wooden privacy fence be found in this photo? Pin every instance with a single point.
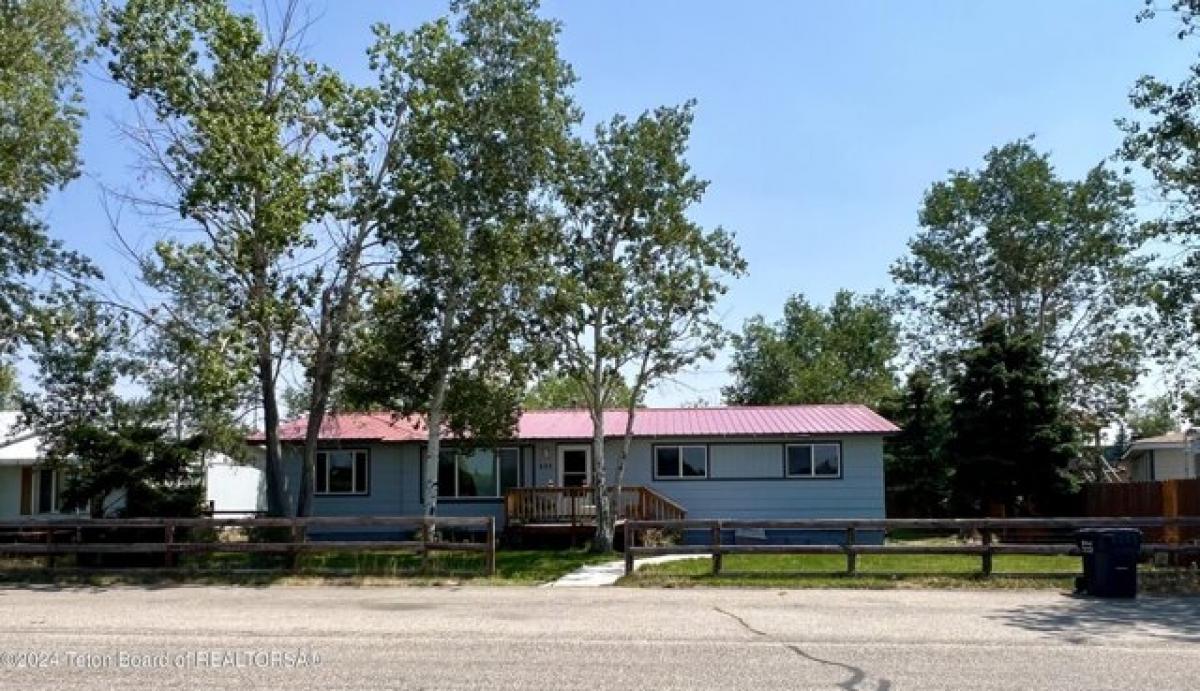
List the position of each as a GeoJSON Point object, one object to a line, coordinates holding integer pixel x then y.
{"type": "Point", "coordinates": [851, 529]}
{"type": "Point", "coordinates": [1164, 498]}
{"type": "Point", "coordinates": [67, 536]}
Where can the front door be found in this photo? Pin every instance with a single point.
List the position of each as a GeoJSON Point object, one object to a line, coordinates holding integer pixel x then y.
{"type": "Point", "coordinates": [574, 466]}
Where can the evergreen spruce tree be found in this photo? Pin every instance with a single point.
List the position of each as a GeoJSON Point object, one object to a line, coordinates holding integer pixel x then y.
{"type": "Point", "coordinates": [1010, 440]}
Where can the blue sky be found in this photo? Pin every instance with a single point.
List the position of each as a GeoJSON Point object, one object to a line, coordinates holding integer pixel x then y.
{"type": "Point", "coordinates": [820, 124]}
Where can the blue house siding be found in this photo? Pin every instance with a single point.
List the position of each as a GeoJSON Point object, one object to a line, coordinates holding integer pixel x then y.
{"type": "Point", "coordinates": [761, 490]}
{"type": "Point", "coordinates": [746, 480]}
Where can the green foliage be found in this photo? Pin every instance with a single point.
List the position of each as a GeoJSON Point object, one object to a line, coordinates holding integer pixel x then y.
{"type": "Point", "coordinates": [1153, 418]}
{"type": "Point", "coordinates": [1010, 440]}
{"type": "Point", "coordinates": [637, 280]}
{"type": "Point", "coordinates": [481, 118]}
{"type": "Point", "coordinates": [9, 388]}
{"type": "Point", "coordinates": [240, 137]}
{"type": "Point", "coordinates": [1053, 258]}
{"type": "Point", "coordinates": [43, 44]}
{"type": "Point", "coordinates": [559, 390]}
{"type": "Point", "coordinates": [107, 447]}
{"type": "Point", "coordinates": [193, 365]}
{"type": "Point", "coordinates": [842, 354]}
{"type": "Point", "coordinates": [1166, 141]}
{"type": "Point", "coordinates": [918, 469]}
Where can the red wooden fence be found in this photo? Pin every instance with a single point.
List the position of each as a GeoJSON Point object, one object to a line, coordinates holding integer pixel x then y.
{"type": "Point", "coordinates": [1165, 498]}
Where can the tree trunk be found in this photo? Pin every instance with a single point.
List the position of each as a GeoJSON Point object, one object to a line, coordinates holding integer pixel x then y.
{"type": "Point", "coordinates": [605, 520]}
{"type": "Point", "coordinates": [433, 449]}
{"type": "Point", "coordinates": [336, 303]}
{"type": "Point", "coordinates": [274, 451]}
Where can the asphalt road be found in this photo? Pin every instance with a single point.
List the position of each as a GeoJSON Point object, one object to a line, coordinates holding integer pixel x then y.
{"type": "Point", "coordinates": [501, 637]}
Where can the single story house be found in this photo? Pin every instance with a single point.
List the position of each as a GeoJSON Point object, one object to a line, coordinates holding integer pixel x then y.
{"type": "Point", "coordinates": [1171, 456]}
{"type": "Point", "coordinates": [25, 488]}
{"type": "Point", "coordinates": [768, 462]}
{"type": "Point", "coordinates": [28, 489]}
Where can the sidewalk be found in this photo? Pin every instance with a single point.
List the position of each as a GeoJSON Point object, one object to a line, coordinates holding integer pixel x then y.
{"type": "Point", "coordinates": [597, 575]}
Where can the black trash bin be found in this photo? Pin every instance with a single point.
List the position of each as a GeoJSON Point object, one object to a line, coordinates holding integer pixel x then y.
{"type": "Point", "coordinates": [1110, 557]}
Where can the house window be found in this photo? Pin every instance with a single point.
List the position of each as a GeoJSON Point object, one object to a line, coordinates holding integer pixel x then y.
{"type": "Point", "coordinates": [483, 473]}
{"type": "Point", "coordinates": [343, 472]}
{"type": "Point", "coordinates": [47, 491]}
{"type": "Point", "coordinates": [814, 460]}
{"type": "Point", "coordinates": [679, 462]}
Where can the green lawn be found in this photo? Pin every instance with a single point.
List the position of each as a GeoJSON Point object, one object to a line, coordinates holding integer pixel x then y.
{"type": "Point", "coordinates": [874, 571]}
{"type": "Point", "coordinates": [513, 567]}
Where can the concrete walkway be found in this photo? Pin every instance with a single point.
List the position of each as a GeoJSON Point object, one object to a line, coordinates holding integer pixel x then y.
{"type": "Point", "coordinates": [607, 573]}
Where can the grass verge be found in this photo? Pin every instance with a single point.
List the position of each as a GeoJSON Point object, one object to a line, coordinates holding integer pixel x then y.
{"type": "Point", "coordinates": [874, 571]}
{"type": "Point", "coordinates": [513, 567]}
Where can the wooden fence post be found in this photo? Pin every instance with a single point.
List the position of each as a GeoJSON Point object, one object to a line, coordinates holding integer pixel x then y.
{"type": "Point", "coordinates": [987, 552]}
{"type": "Point", "coordinates": [49, 543]}
{"type": "Point", "coordinates": [851, 555]}
{"type": "Point", "coordinates": [490, 565]}
{"type": "Point", "coordinates": [1170, 510]}
{"type": "Point", "coordinates": [294, 552]}
{"type": "Point", "coordinates": [630, 536]}
{"type": "Point", "coordinates": [426, 534]}
{"type": "Point", "coordinates": [716, 549]}
{"type": "Point", "coordinates": [169, 556]}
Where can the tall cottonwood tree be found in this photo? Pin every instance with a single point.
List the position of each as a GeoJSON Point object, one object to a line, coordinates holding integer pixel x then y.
{"type": "Point", "coordinates": [638, 281]}
{"type": "Point", "coordinates": [482, 116]}
{"type": "Point", "coordinates": [43, 43]}
{"type": "Point", "coordinates": [1164, 138]}
{"type": "Point", "coordinates": [1054, 258]}
{"type": "Point", "coordinates": [234, 128]}
{"type": "Point", "coordinates": [844, 353]}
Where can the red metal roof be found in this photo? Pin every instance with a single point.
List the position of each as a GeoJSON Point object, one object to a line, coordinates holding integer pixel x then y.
{"type": "Point", "coordinates": [747, 421]}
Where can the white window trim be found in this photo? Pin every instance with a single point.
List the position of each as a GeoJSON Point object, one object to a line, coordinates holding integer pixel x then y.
{"type": "Point", "coordinates": [495, 472]}
{"type": "Point", "coordinates": [55, 491]}
{"type": "Point", "coordinates": [353, 474]}
{"type": "Point", "coordinates": [587, 463]}
{"type": "Point", "coordinates": [812, 474]}
{"type": "Point", "coordinates": [679, 448]}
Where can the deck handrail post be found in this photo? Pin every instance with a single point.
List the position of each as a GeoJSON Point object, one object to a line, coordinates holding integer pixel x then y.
{"type": "Point", "coordinates": [851, 555]}
{"type": "Point", "coordinates": [717, 554]}
{"type": "Point", "coordinates": [630, 536]}
{"type": "Point", "coordinates": [986, 566]}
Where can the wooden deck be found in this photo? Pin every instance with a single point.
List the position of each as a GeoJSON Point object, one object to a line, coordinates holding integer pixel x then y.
{"type": "Point", "coordinates": [570, 508]}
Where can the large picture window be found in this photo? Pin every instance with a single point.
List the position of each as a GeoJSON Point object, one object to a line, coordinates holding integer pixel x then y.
{"type": "Point", "coordinates": [48, 490]}
{"type": "Point", "coordinates": [680, 462]}
{"type": "Point", "coordinates": [814, 460]}
{"type": "Point", "coordinates": [343, 471]}
{"type": "Point", "coordinates": [482, 473]}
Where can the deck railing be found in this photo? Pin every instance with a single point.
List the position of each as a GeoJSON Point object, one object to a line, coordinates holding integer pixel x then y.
{"type": "Point", "coordinates": [575, 505]}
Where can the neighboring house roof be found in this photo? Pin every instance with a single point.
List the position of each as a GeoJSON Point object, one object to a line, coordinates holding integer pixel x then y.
{"type": "Point", "coordinates": [748, 421]}
{"type": "Point", "coordinates": [1170, 440]}
{"type": "Point", "coordinates": [17, 446]}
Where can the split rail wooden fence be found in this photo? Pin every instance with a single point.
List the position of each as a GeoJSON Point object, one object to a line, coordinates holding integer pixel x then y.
{"type": "Point", "coordinates": [988, 537]}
